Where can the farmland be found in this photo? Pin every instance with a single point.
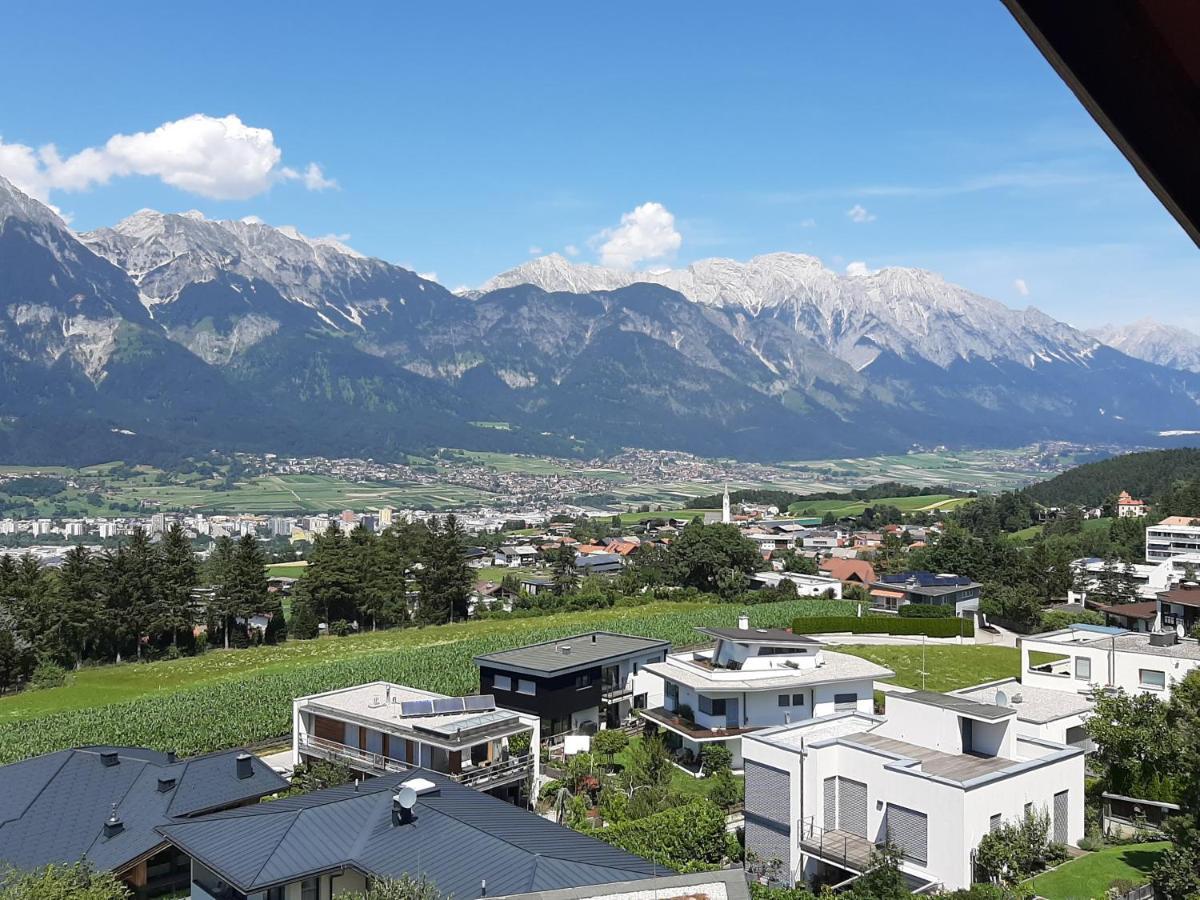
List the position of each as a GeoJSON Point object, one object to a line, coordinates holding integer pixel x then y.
{"type": "Point", "coordinates": [928, 503]}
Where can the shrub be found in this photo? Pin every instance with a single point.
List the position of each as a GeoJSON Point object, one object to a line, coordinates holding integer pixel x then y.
{"type": "Point", "coordinates": [686, 836]}
{"type": "Point", "coordinates": [884, 625]}
{"type": "Point", "coordinates": [610, 742]}
{"type": "Point", "coordinates": [1054, 619]}
{"type": "Point", "coordinates": [716, 758]}
{"type": "Point", "coordinates": [724, 790]}
{"type": "Point", "coordinates": [1017, 850]}
{"type": "Point", "coordinates": [76, 881]}
{"type": "Point", "coordinates": [48, 674]}
{"type": "Point", "coordinates": [340, 628]}
{"type": "Point", "coordinates": [926, 611]}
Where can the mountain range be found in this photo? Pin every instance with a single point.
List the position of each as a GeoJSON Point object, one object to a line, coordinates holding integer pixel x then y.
{"type": "Point", "coordinates": [171, 334]}
{"type": "Point", "coordinates": [1146, 339]}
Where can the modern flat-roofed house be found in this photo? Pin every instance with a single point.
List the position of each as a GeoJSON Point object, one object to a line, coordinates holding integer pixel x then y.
{"type": "Point", "coordinates": [933, 776]}
{"type": "Point", "coordinates": [806, 585]}
{"type": "Point", "coordinates": [101, 805]}
{"type": "Point", "coordinates": [578, 683]}
{"type": "Point", "coordinates": [382, 728]}
{"type": "Point", "coordinates": [336, 841]}
{"type": "Point", "coordinates": [1051, 715]}
{"type": "Point", "coordinates": [754, 678]}
{"type": "Point", "coordinates": [1088, 657]}
{"type": "Point", "coordinates": [893, 591]}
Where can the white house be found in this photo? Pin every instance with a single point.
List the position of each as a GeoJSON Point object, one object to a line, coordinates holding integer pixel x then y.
{"type": "Point", "coordinates": [381, 728]}
{"type": "Point", "coordinates": [932, 777]}
{"type": "Point", "coordinates": [1051, 715]}
{"type": "Point", "coordinates": [1151, 578]}
{"type": "Point", "coordinates": [806, 585]}
{"type": "Point", "coordinates": [754, 678]}
{"type": "Point", "coordinates": [511, 555]}
{"type": "Point", "coordinates": [1084, 657]}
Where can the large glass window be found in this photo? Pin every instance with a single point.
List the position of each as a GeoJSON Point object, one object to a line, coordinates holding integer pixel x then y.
{"type": "Point", "coordinates": [502, 683]}
{"type": "Point", "coordinates": [845, 702]}
{"type": "Point", "coordinates": [1152, 678]}
{"type": "Point", "coordinates": [712, 706]}
{"type": "Point", "coordinates": [310, 889]}
{"type": "Point", "coordinates": [525, 686]}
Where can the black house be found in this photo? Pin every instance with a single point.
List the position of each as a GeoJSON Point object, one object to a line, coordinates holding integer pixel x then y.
{"type": "Point", "coordinates": [578, 683]}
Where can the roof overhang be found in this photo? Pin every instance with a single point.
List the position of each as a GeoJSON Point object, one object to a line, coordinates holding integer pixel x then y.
{"type": "Point", "coordinates": [1135, 67]}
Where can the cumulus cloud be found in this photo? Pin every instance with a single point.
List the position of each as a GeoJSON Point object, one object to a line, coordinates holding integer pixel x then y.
{"type": "Point", "coordinates": [535, 250]}
{"type": "Point", "coordinates": [858, 268]}
{"type": "Point", "coordinates": [646, 232]}
{"type": "Point", "coordinates": [1022, 287]}
{"type": "Point", "coordinates": [859, 214]}
{"type": "Point", "coordinates": [221, 158]}
{"type": "Point", "coordinates": [571, 250]}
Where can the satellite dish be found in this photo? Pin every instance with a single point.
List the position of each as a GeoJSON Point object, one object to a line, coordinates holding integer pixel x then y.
{"type": "Point", "coordinates": [1179, 630]}
{"type": "Point", "coordinates": [406, 797]}
{"type": "Point", "coordinates": [1001, 698]}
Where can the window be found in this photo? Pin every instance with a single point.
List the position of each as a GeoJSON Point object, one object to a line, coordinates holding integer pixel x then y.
{"type": "Point", "coordinates": [1152, 678]}
{"type": "Point", "coordinates": [275, 893]}
{"type": "Point", "coordinates": [310, 889]}
{"type": "Point", "coordinates": [1083, 668]}
{"type": "Point", "coordinates": [583, 681]}
{"type": "Point", "coordinates": [845, 702]}
{"type": "Point", "coordinates": [501, 683]}
{"type": "Point", "coordinates": [791, 699]}
{"type": "Point", "coordinates": [1028, 810]}
{"type": "Point", "coordinates": [711, 706]}
{"type": "Point", "coordinates": [785, 700]}
{"type": "Point", "coordinates": [525, 686]}
{"type": "Point", "coordinates": [671, 695]}
{"type": "Point", "coordinates": [797, 699]}
{"type": "Point", "coordinates": [994, 822]}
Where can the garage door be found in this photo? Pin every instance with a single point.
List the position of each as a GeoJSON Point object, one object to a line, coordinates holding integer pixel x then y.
{"type": "Point", "coordinates": [852, 806]}
{"type": "Point", "coordinates": [1061, 817]}
{"type": "Point", "coordinates": [909, 831]}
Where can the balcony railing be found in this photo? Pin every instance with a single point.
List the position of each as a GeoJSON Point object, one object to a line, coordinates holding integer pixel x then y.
{"type": "Point", "coordinates": [849, 851]}
{"type": "Point", "coordinates": [475, 776]}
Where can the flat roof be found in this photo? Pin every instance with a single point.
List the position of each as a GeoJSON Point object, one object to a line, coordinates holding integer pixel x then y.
{"type": "Point", "coordinates": [724, 884]}
{"type": "Point", "coordinates": [836, 667]}
{"type": "Point", "coordinates": [958, 767]}
{"type": "Point", "coordinates": [798, 735]}
{"type": "Point", "coordinates": [959, 704]}
{"type": "Point", "coordinates": [1037, 705]}
{"type": "Point", "coordinates": [758, 635]}
{"type": "Point", "coordinates": [586, 650]}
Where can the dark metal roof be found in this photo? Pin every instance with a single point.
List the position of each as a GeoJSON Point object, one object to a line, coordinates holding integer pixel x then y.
{"type": "Point", "coordinates": [958, 704]}
{"type": "Point", "coordinates": [457, 838]}
{"type": "Point", "coordinates": [924, 580]}
{"type": "Point", "coordinates": [586, 650]}
{"type": "Point", "coordinates": [758, 635]}
{"type": "Point", "coordinates": [53, 807]}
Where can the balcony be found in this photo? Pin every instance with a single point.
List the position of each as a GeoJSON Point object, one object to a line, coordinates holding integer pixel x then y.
{"type": "Point", "coordinates": [847, 851]}
{"type": "Point", "coordinates": [689, 729]}
{"type": "Point", "coordinates": [480, 776]}
{"type": "Point", "coordinates": [610, 692]}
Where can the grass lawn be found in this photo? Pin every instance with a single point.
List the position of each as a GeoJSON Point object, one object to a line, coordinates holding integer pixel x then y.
{"type": "Point", "coordinates": [1090, 876]}
{"type": "Point", "coordinates": [287, 570]}
{"type": "Point", "coordinates": [947, 668]}
{"type": "Point", "coordinates": [681, 781]}
{"type": "Point", "coordinates": [929, 503]}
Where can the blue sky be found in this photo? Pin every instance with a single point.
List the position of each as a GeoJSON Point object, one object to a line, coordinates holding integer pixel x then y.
{"type": "Point", "coordinates": [465, 137]}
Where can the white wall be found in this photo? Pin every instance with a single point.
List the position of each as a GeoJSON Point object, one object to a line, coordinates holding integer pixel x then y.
{"type": "Point", "coordinates": [1125, 668]}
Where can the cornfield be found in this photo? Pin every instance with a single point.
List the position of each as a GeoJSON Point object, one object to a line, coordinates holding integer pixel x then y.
{"type": "Point", "coordinates": [248, 708]}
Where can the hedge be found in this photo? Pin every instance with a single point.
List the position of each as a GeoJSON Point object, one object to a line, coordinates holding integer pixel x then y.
{"type": "Point", "coordinates": [884, 625]}
{"type": "Point", "coordinates": [927, 611]}
{"type": "Point", "coordinates": [688, 837]}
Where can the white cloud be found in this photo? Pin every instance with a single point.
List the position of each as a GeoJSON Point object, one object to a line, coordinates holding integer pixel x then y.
{"type": "Point", "coordinates": [535, 250]}
{"type": "Point", "coordinates": [222, 158]}
{"type": "Point", "coordinates": [858, 268]}
{"type": "Point", "coordinates": [1022, 287]}
{"type": "Point", "coordinates": [859, 214]}
{"type": "Point", "coordinates": [646, 232]}
{"type": "Point", "coordinates": [571, 250]}
{"type": "Point", "coordinates": [808, 223]}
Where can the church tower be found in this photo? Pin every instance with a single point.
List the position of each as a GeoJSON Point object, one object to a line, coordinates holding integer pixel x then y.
{"type": "Point", "coordinates": [726, 518]}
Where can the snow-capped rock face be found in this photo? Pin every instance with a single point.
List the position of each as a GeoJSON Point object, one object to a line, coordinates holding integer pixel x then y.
{"type": "Point", "coordinates": [1146, 339]}
{"type": "Point", "coordinates": [915, 314]}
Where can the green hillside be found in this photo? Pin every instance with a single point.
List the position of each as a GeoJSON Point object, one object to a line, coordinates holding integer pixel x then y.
{"type": "Point", "coordinates": [1145, 475]}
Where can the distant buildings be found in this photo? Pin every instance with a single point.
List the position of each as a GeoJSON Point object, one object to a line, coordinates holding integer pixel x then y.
{"type": "Point", "coordinates": [893, 591]}
{"type": "Point", "coordinates": [1128, 507]}
{"type": "Point", "coordinates": [1173, 536]}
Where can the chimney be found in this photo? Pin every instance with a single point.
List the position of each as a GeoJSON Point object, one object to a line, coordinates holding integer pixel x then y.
{"type": "Point", "coordinates": [171, 756]}
{"type": "Point", "coordinates": [165, 784]}
{"type": "Point", "coordinates": [110, 758]}
{"type": "Point", "coordinates": [593, 641]}
{"type": "Point", "coordinates": [565, 649]}
{"type": "Point", "coordinates": [245, 766]}
{"type": "Point", "coordinates": [744, 622]}
{"type": "Point", "coordinates": [113, 824]}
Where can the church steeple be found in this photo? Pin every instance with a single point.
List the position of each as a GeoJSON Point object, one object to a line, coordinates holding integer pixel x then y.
{"type": "Point", "coordinates": [726, 518]}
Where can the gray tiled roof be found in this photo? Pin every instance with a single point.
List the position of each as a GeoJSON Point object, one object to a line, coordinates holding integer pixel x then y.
{"type": "Point", "coordinates": [457, 838]}
{"type": "Point", "coordinates": [53, 807]}
{"type": "Point", "coordinates": [590, 649]}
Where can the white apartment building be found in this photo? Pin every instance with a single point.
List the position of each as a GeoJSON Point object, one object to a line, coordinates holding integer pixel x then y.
{"type": "Point", "coordinates": [933, 776]}
{"type": "Point", "coordinates": [754, 678]}
{"type": "Point", "coordinates": [1091, 656]}
{"type": "Point", "coordinates": [1172, 536]}
{"type": "Point", "coordinates": [381, 728]}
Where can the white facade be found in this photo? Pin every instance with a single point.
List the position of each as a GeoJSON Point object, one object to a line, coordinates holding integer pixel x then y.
{"type": "Point", "coordinates": [1171, 537]}
{"type": "Point", "coordinates": [1152, 578]}
{"type": "Point", "coordinates": [1050, 715]}
{"type": "Point", "coordinates": [1089, 657]}
{"type": "Point", "coordinates": [821, 794]}
{"type": "Point", "coordinates": [751, 679]}
{"type": "Point", "coordinates": [806, 585]}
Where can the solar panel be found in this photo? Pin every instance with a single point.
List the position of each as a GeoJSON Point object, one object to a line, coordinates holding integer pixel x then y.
{"type": "Point", "coordinates": [481, 703]}
{"type": "Point", "coordinates": [448, 705]}
{"type": "Point", "coordinates": [416, 708]}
